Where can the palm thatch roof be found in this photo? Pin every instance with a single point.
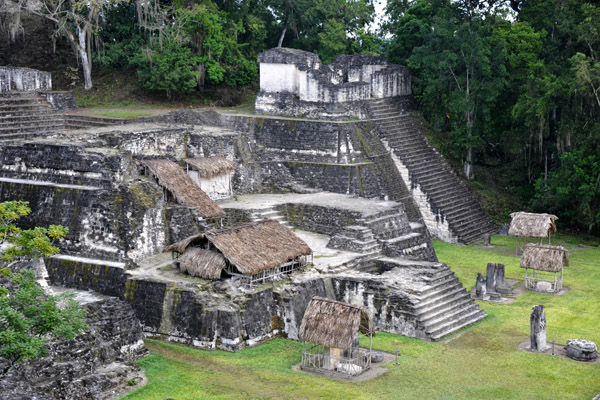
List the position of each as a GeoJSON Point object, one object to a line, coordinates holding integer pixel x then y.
{"type": "Point", "coordinates": [532, 225]}
{"type": "Point", "coordinates": [202, 263]}
{"type": "Point", "coordinates": [333, 323]}
{"type": "Point", "coordinates": [174, 179]}
{"type": "Point", "coordinates": [182, 245]}
{"type": "Point", "coordinates": [251, 247]}
{"type": "Point", "coordinates": [209, 167]}
{"type": "Point", "coordinates": [544, 257]}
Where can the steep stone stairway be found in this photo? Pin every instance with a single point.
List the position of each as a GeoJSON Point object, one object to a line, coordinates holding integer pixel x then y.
{"type": "Point", "coordinates": [443, 305]}
{"type": "Point", "coordinates": [449, 200]}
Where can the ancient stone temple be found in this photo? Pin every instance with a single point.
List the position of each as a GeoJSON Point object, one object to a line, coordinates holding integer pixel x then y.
{"type": "Point", "coordinates": [295, 83]}
{"type": "Point", "coordinates": [357, 183]}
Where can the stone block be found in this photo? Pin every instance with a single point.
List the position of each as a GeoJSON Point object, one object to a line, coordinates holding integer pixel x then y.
{"type": "Point", "coordinates": [537, 323]}
{"type": "Point", "coordinates": [499, 275]}
{"type": "Point", "coordinates": [581, 349]}
{"type": "Point", "coordinates": [490, 277]}
{"type": "Point", "coordinates": [504, 289]}
{"type": "Point", "coordinates": [480, 287]}
{"type": "Point", "coordinates": [543, 287]}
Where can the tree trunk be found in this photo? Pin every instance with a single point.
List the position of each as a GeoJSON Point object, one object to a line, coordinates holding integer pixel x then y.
{"type": "Point", "coordinates": [85, 61]}
{"type": "Point", "coordinates": [470, 116]}
{"type": "Point", "coordinates": [282, 35]}
{"type": "Point", "coordinates": [468, 164]}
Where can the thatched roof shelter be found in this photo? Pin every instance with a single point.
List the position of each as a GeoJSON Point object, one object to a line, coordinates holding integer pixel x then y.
{"type": "Point", "coordinates": [209, 167]}
{"type": "Point", "coordinates": [251, 247]}
{"type": "Point", "coordinates": [175, 180]}
{"type": "Point", "coordinates": [334, 324]}
{"type": "Point", "coordinates": [202, 263]}
{"type": "Point", "coordinates": [526, 224]}
{"type": "Point", "coordinates": [544, 257]}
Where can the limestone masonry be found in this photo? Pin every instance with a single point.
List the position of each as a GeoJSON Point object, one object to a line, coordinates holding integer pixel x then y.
{"type": "Point", "coordinates": [357, 182]}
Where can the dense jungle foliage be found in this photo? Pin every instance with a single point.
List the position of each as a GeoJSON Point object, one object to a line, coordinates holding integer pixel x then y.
{"type": "Point", "coordinates": [511, 88]}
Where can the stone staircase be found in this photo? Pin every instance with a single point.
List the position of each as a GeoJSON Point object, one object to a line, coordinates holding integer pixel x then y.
{"type": "Point", "coordinates": [448, 200]}
{"type": "Point", "coordinates": [270, 213]}
{"type": "Point", "coordinates": [356, 238]}
{"type": "Point", "coordinates": [409, 297]}
{"type": "Point", "coordinates": [78, 121]}
{"type": "Point", "coordinates": [388, 232]}
{"type": "Point", "coordinates": [443, 305]}
{"type": "Point", "coordinates": [23, 114]}
{"type": "Point", "coordinates": [30, 115]}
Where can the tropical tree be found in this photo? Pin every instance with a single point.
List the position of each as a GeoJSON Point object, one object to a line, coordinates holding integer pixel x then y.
{"type": "Point", "coordinates": [77, 20]}
{"type": "Point", "coordinates": [29, 317]}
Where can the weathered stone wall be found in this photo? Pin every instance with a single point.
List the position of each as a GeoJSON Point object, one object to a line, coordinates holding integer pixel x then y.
{"type": "Point", "coordinates": [96, 365]}
{"type": "Point", "coordinates": [63, 163]}
{"type": "Point", "coordinates": [24, 80]}
{"type": "Point", "coordinates": [325, 220]}
{"type": "Point", "coordinates": [109, 224]}
{"type": "Point", "coordinates": [61, 101]}
{"type": "Point", "coordinates": [184, 313]}
{"type": "Point", "coordinates": [358, 179]}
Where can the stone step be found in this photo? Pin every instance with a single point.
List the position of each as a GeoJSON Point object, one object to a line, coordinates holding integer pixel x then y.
{"type": "Point", "coordinates": [18, 120]}
{"type": "Point", "coordinates": [436, 313]}
{"type": "Point", "coordinates": [453, 326]}
{"type": "Point", "coordinates": [435, 283]}
{"type": "Point", "coordinates": [31, 122]}
{"type": "Point", "coordinates": [477, 231]}
{"type": "Point", "coordinates": [450, 313]}
{"type": "Point", "coordinates": [94, 118]}
{"type": "Point", "coordinates": [22, 100]}
{"type": "Point", "coordinates": [439, 296]}
{"type": "Point", "coordinates": [11, 137]}
{"type": "Point", "coordinates": [16, 93]}
{"type": "Point", "coordinates": [33, 129]}
{"type": "Point", "coordinates": [24, 108]}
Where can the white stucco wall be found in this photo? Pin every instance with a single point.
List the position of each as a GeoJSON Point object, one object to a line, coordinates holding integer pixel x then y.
{"type": "Point", "coordinates": [218, 187]}
{"type": "Point", "coordinates": [278, 77]}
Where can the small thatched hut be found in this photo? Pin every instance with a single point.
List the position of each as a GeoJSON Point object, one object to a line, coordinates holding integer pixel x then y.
{"type": "Point", "coordinates": [333, 328]}
{"type": "Point", "coordinates": [213, 175]}
{"type": "Point", "coordinates": [524, 225]}
{"type": "Point", "coordinates": [544, 263]}
{"type": "Point", "coordinates": [173, 178]}
{"type": "Point", "coordinates": [256, 252]}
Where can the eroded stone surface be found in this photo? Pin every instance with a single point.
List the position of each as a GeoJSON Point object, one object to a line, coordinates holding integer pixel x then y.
{"type": "Point", "coordinates": [96, 365]}
{"type": "Point", "coordinates": [581, 349]}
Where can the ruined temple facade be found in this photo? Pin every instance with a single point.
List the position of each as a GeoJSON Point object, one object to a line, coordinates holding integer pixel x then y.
{"type": "Point", "coordinates": [357, 181]}
{"type": "Point", "coordinates": [295, 83]}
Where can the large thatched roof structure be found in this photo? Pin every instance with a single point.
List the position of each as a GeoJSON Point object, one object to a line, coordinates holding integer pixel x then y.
{"type": "Point", "coordinates": [332, 323]}
{"type": "Point", "coordinates": [202, 263]}
{"type": "Point", "coordinates": [544, 257]}
{"type": "Point", "coordinates": [526, 224]}
{"type": "Point", "coordinates": [251, 247]}
{"type": "Point", "coordinates": [209, 167]}
{"type": "Point", "coordinates": [174, 179]}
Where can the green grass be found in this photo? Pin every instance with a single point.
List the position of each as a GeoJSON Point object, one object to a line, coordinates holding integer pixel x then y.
{"type": "Point", "coordinates": [481, 362]}
{"type": "Point", "coordinates": [122, 114]}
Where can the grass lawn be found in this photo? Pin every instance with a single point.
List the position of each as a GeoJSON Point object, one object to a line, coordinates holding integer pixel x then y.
{"type": "Point", "coordinates": [481, 362]}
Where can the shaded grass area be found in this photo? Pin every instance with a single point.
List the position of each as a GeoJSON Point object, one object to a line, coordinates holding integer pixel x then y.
{"type": "Point", "coordinates": [122, 114]}
{"type": "Point", "coordinates": [479, 362]}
